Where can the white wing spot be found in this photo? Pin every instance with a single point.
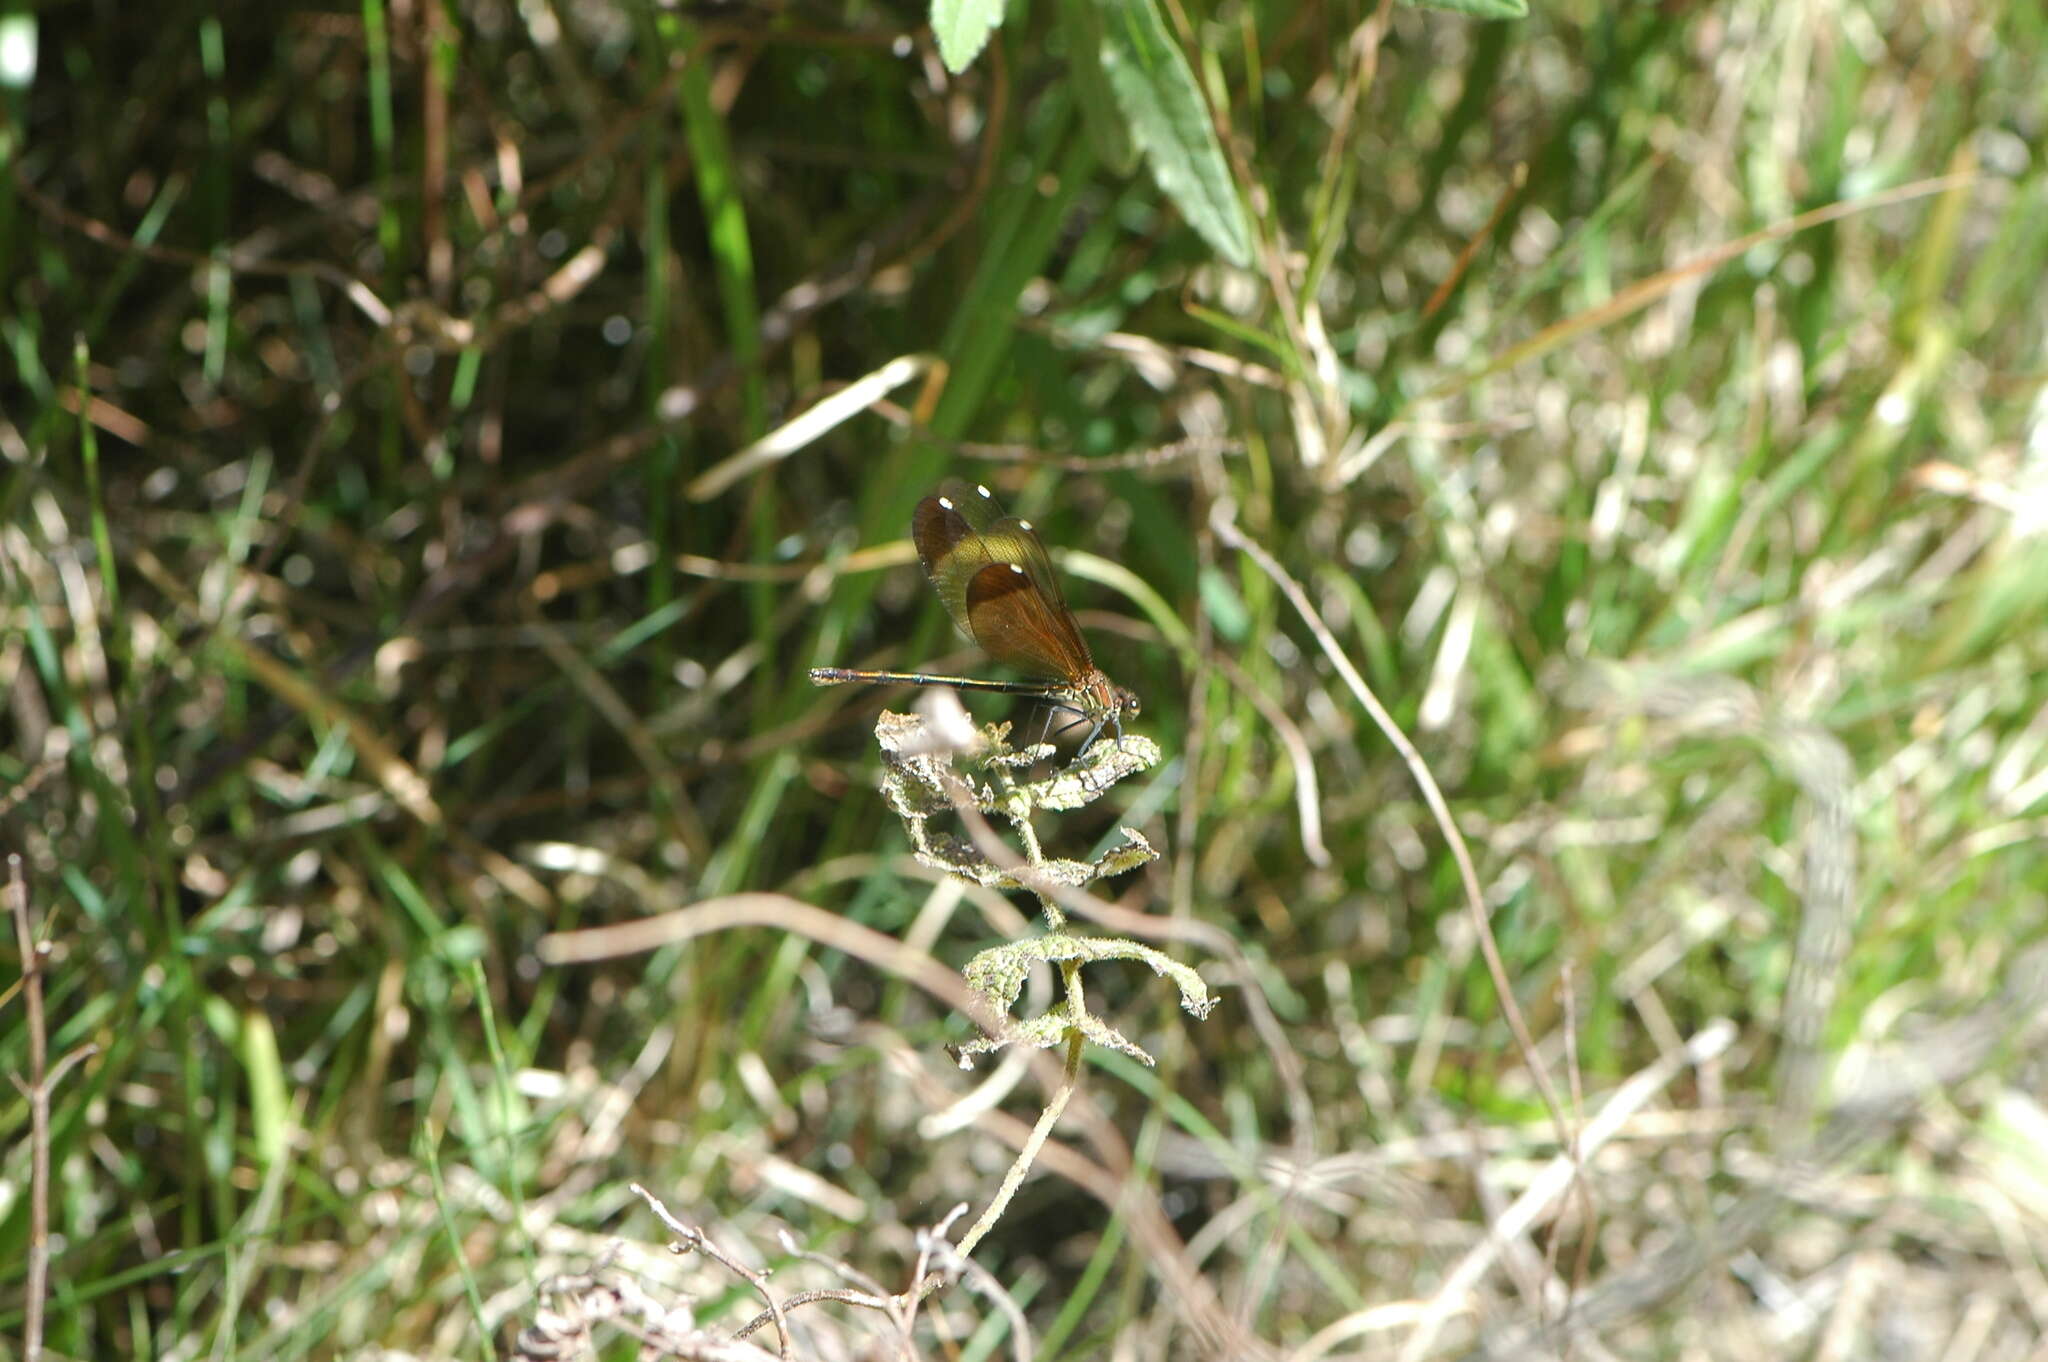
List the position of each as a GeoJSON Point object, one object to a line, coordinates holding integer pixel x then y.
{"type": "Point", "coordinates": [1014, 568]}
{"type": "Point", "coordinates": [1024, 524]}
{"type": "Point", "coordinates": [945, 503]}
{"type": "Point", "coordinates": [984, 491]}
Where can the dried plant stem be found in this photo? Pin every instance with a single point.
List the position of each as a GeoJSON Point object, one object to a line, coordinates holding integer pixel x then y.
{"type": "Point", "coordinates": [689, 1238]}
{"type": "Point", "coordinates": [1019, 814]}
{"type": "Point", "coordinates": [928, 1283]}
{"type": "Point", "coordinates": [1047, 1119]}
{"type": "Point", "coordinates": [920, 780]}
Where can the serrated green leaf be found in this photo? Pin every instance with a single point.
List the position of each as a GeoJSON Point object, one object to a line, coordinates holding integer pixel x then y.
{"type": "Point", "coordinates": [963, 28]}
{"type": "Point", "coordinates": [1156, 90]}
{"type": "Point", "coordinates": [1081, 26]}
{"type": "Point", "coordinates": [1478, 9]}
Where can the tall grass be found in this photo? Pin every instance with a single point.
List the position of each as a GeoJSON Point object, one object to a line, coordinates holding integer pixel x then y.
{"type": "Point", "coordinates": [1647, 400]}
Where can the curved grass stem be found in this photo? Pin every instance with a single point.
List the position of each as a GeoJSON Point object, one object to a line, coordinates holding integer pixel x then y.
{"type": "Point", "coordinates": [1047, 1119]}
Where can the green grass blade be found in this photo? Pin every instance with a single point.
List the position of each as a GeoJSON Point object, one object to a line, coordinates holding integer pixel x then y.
{"type": "Point", "coordinates": [1170, 122]}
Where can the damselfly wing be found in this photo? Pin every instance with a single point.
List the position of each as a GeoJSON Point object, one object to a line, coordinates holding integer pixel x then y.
{"type": "Point", "coordinates": [997, 582]}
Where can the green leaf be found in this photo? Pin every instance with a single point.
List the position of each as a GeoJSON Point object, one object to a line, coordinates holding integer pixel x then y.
{"type": "Point", "coordinates": [1478, 9]}
{"type": "Point", "coordinates": [963, 28]}
{"type": "Point", "coordinates": [1170, 122]}
{"type": "Point", "coordinates": [269, 1103]}
{"type": "Point", "coordinates": [1081, 26]}
{"type": "Point", "coordinates": [997, 974]}
{"type": "Point", "coordinates": [1224, 607]}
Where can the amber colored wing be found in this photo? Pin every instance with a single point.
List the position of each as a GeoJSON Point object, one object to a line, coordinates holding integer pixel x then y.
{"type": "Point", "coordinates": [1014, 623]}
{"type": "Point", "coordinates": [977, 505]}
{"type": "Point", "coordinates": [949, 547]}
{"type": "Point", "coordinates": [993, 573]}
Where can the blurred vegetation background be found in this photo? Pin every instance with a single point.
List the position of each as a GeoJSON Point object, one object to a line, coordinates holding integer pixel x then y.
{"type": "Point", "coordinates": [1648, 399]}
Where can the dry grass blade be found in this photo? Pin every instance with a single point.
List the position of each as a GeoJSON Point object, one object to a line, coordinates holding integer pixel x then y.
{"type": "Point", "coordinates": [1223, 522]}
{"type": "Point", "coordinates": [1643, 292]}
